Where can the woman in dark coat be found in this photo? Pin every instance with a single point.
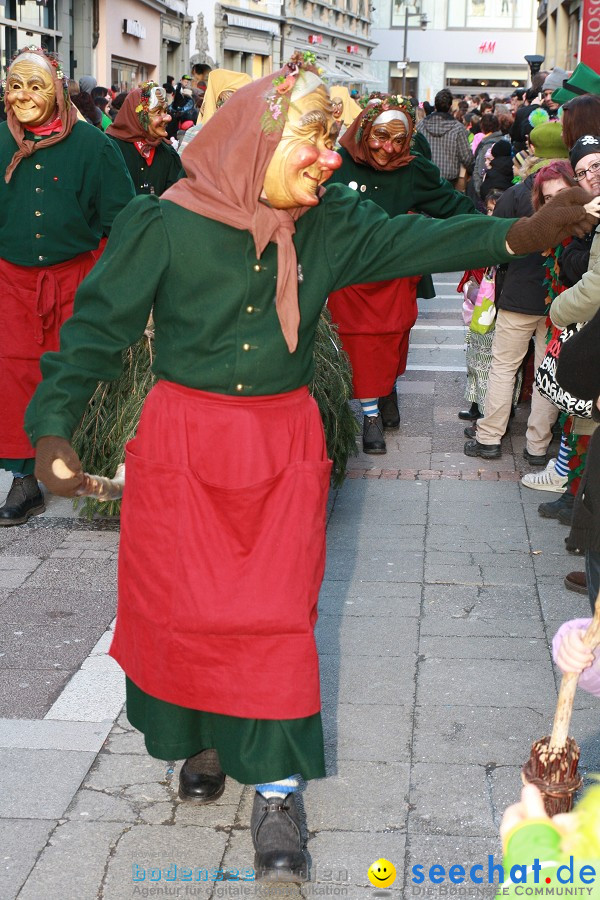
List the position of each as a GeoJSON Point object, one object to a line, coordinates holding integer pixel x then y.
{"type": "Point", "coordinates": [499, 175]}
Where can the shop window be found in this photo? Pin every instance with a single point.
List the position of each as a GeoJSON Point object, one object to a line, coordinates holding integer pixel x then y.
{"type": "Point", "coordinates": [489, 14]}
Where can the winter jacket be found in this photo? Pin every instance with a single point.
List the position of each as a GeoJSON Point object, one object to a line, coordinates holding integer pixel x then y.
{"type": "Point", "coordinates": [499, 175]}
{"type": "Point", "coordinates": [523, 289]}
{"type": "Point", "coordinates": [479, 164]}
{"type": "Point", "coordinates": [449, 144]}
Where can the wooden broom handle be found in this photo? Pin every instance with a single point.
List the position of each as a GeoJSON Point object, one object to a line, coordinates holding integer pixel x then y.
{"type": "Point", "coordinates": [568, 686]}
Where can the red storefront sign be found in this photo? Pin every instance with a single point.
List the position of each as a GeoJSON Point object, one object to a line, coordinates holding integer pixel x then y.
{"type": "Point", "coordinates": [590, 34]}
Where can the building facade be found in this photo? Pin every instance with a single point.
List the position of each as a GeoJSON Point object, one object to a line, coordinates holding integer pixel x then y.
{"type": "Point", "coordinates": [569, 33]}
{"type": "Point", "coordinates": [467, 45]}
{"type": "Point", "coordinates": [120, 42]}
{"type": "Point", "coordinates": [254, 36]}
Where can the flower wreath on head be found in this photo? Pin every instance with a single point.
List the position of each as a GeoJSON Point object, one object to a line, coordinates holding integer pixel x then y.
{"type": "Point", "coordinates": [143, 107]}
{"type": "Point", "coordinates": [278, 96]}
{"type": "Point", "coordinates": [51, 57]}
{"type": "Point", "coordinates": [376, 103]}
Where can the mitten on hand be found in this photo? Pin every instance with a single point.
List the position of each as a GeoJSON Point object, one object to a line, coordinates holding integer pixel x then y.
{"type": "Point", "coordinates": [560, 218]}
{"type": "Point", "coordinates": [58, 466]}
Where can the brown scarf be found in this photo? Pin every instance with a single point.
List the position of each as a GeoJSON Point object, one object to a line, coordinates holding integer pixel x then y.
{"type": "Point", "coordinates": [65, 111]}
{"type": "Point", "coordinates": [356, 139]}
{"type": "Point", "coordinates": [127, 125]}
{"type": "Point", "coordinates": [226, 164]}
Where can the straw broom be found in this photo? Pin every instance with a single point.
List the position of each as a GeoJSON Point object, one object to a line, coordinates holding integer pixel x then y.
{"type": "Point", "coordinates": [552, 765]}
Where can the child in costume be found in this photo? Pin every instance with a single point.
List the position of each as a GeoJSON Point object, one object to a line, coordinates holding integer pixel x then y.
{"type": "Point", "coordinates": [533, 841]}
{"type": "Point", "coordinates": [218, 591]}
{"type": "Point", "coordinates": [63, 184]}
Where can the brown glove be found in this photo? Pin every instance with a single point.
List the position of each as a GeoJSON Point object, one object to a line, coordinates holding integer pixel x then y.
{"type": "Point", "coordinates": [58, 466]}
{"type": "Point", "coordinates": [560, 218]}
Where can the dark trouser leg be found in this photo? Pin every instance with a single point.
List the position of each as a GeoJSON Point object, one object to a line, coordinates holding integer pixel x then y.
{"type": "Point", "coordinates": [592, 571]}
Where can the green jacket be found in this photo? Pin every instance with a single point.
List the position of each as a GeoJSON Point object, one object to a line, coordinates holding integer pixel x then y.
{"type": "Point", "coordinates": [165, 170]}
{"type": "Point", "coordinates": [61, 200]}
{"type": "Point", "coordinates": [216, 326]}
{"type": "Point", "coordinates": [417, 187]}
{"type": "Point", "coordinates": [540, 841]}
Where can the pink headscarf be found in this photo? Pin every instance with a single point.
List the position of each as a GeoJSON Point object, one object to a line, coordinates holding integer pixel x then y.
{"type": "Point", "coordinates": [226, 165]}
{"type": "Point", "coordinates": [128, 125]}
{"type": "Point", "coordinates": [66, 113]}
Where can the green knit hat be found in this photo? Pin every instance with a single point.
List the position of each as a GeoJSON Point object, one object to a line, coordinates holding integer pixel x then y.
{"type": "Point", "coordinates": [547, 141]}
{"type": "Point", "coordinates": [583, 81]}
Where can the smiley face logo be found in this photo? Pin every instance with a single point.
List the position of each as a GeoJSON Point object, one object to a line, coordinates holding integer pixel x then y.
{"type": "Point", "coordinates": [382, 873]}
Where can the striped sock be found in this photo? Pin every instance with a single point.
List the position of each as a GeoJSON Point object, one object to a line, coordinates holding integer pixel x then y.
{"type": "Point", "coordinates": [370, 406]}
{"type": "Point", "coordinates": [279, 788]}
{"type": "Point", "coordinates": [562, 462]}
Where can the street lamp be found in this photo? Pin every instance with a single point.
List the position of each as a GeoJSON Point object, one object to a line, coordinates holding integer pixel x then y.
{"type": "Point", "coordinates": [423, 23]}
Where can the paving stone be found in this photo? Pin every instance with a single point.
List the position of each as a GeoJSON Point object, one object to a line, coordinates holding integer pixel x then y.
{"type": "Point", "coordinates": [345, 857]}
{"type": "Point", "coordinates": [126, 742]}
{"type": "Point", "coordinates": [22, 841]}
{"type": "Point", "coordinates": [483, 648]}
{"type": "Point", "coordinates": [39, 606]}
{"type": "Point", "coordinates": [30, 692]}
{"type": "Point", "coordinates": [480, 626]}
{"type": "Point", "coordinates": [31, 734]}
{"type": "Point", "coordinates": [426, 850]}
{"type": "Point", "coordinates": [404, 538]}
{"type": "Point", "coordinates": [362, 796]}
{"type": "Point", "coordinates": [45, 646]}
{"type": "Point", "coordinates": [385, 733]}
{"type": "Point", "coordinates": [73, 863]}
{"type": "Point", "coordinates": [155, 847]}
{"type": "Point", "coordinates": [97, 806]}
{"type": "Point", "coordinates": [357, 637]}
{"type": "Point", "coordinates": [352, 567]}
{"type": "Point", "coordinates": [113, 772]}
{"type": "Point", "coordinates": [497, 683]}
{"type": "Point", "coordinates": [464, 803]}
{"type": "Point", "coordinates": [23, 772]}
{"type": "Point", "coordinates": [472, 602]}
{"type": "Point", "coordinates": [343, 680]}
{"type": "Point", "coordinates": [477, 735]}
{"type": "Point", "coordinates": [19, 563]}
{"type": "Point", "coordinates": [67, 574]}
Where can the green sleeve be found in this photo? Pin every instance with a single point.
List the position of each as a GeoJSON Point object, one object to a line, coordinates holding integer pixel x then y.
{"type": "Point", "coordinates": [363, 244]}
{"type": "Point", "coordinates": [530, 842]}
{"type": "Point", "coordinates": [421, 145]}
{"type": "Point", "coordinates": [112, 307]}
{"type": "Point", "coordinates": [435, 196]}
{"type": "Point", "coordinates": [115, 187]}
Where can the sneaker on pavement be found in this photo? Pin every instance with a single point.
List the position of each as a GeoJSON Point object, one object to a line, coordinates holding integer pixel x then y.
{"type": "Point", "coordinates": [547, 480]}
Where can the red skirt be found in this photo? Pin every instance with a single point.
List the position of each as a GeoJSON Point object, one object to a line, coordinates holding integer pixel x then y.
{"type": "Point", "coordinates": [35, 303]}
{"type": "Point", "coordinates": [374, 322]}
{"type": "Point", "coordinates": [222, 552]}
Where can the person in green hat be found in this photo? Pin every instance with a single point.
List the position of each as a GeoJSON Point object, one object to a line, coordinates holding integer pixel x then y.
{"type": "Point", "coordinates": [583, 81]}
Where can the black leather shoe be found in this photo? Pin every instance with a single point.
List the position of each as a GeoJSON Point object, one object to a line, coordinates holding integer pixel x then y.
{"type": "Point", "coordinates": [534, 460]}
{"type": "Point", "coordinates": [468, 415]}
{"type": "Point", "coordinates": [485, 451]}
{"type": "Point", "coordinates": [551, 510]}
{"type": "Point", "coordinates": [276, 829]}
{"type": "Point", "coordinates": [565, 517]}
{"type": "Point", "coordinates": [201, 778]}
{"type": "Point", "coordinates": [388, 407]}
{"type": "Point", "coordinates": [373, 439]}
{"type": "Point", "coordinates": [470, 431]}
{"type": "Point", "coordinates": [23, 500]}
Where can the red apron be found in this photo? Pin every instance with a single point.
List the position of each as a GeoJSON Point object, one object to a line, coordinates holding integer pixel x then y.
{"type": "Point", "coordinates": [34, 303]}
{"type": "Point", "coordinates": [374, 321]}
{"type": "Point", "coordinates": [222, 552]}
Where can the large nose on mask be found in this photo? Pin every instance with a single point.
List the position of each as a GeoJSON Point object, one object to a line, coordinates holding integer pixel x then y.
{"type": "Point", "coordinates": [329, 159]}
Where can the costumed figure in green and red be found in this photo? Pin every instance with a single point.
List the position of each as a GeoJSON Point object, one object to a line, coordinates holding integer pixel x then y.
{"type": "Point", "coordinates": [140, 133]}
{"type": "Point", "coordinates": [228, 471]}
{"type": "Point", "coordinates": [380, 163]}
{"type": "Point", "coordinates": [63, 184]}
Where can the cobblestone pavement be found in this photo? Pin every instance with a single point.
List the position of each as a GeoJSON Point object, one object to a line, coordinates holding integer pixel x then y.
{"type": "Point", "coordinates": [442, 589]}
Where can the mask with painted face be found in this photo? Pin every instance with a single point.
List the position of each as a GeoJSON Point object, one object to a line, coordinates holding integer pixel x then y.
{"type": "Point", "coordinates": [304, 158]}
{"type": "Point", "coordinates": [158, 117]}
{"type": "Point", "coordinates": [381, 135]}
{"type": "Point", "coordinates": [30, 91]}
